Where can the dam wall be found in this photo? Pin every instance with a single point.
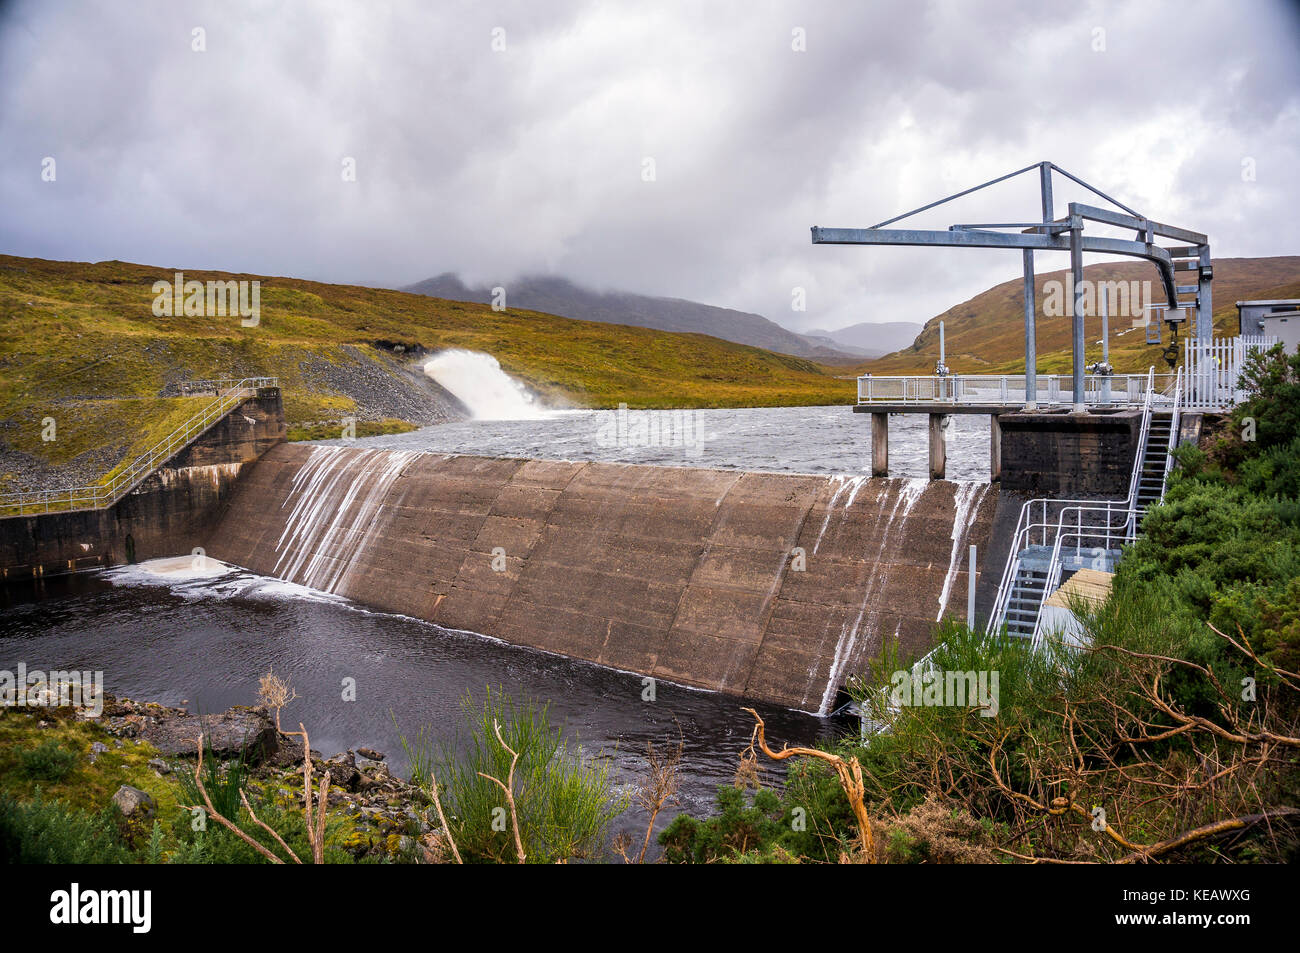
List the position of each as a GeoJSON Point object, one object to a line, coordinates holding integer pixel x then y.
{"type": "Point", "coordinates": [772, 586]}
{"type": "Point", "coordinates": [169, 513]}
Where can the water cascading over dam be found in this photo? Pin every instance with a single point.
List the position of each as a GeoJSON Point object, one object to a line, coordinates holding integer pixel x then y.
{"type": "Point", "coordinates": [769, 585]}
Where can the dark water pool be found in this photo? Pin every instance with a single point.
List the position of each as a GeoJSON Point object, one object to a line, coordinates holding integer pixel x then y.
{"type": "Point", "coordinates": [203, 642]}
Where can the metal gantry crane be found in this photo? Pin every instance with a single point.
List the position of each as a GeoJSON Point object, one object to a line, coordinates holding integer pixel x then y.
{"type": "Point", "coordinates": [1065, 234]}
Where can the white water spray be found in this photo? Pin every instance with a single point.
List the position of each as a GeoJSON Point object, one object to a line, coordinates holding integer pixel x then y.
{"type": "Point", "coordinates": [966, 501]}
{"type": "Point", "coordinates": [479, 383]}
{"type": "Point", "coordinates": [908, 494]}
{"type": "Point", "coordinates": [336, 498]}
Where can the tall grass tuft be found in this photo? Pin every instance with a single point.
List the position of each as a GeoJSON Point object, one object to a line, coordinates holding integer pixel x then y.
{"type": "Point", "coordinates": [564, 800]}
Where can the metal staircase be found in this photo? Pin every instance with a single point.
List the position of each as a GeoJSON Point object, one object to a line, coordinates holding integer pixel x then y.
{"type": "Point", "coordinates": [1054, 538]}
{"type": "Point", "coordinates": [1028, 590]}
{"type": "Point", "coordinates": [1153, 465]}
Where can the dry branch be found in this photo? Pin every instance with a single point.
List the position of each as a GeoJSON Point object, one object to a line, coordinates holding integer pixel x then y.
{"type": "Point", "coordinates": [849, 773]}
{"type": "Point", "coordinates": [508, 788]}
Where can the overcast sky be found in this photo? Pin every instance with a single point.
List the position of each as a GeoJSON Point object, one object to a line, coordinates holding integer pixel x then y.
{"type": "Point", "coordinates": [497, 162]}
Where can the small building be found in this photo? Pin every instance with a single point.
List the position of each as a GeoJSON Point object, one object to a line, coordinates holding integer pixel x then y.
{"type": "Point", "coordinates": [1279, 319]}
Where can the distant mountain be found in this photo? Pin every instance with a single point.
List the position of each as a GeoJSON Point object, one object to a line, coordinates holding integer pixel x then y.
{"type": "Point", "coordinates": [562, 297]}
{"type": "Point", "coordinates": [870, 340]}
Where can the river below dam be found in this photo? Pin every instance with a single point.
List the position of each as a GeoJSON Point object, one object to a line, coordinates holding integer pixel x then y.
{"type": "Point", "coordinates": [202, 640]}
{"type": "Point", "coordinates": [202, 643]}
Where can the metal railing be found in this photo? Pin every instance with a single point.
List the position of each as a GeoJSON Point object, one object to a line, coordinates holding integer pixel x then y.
{"type": "Point", "coordinates": [214, 386]}
{"type": "Point", "coordinates": [104, 494]}
{"type": "Point", "coordinates": [1103, 533]}
{"type": "Point", "coordinates": [1051, 390]}
{"type": "Point", "coordinates": [1098, 537]}
{"type": "Point", "coordinates": [1102, 536]}
{"type": "Point", "coordinates": [1051, 513]}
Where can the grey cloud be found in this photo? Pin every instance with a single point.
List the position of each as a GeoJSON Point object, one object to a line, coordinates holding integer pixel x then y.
{"type": "Point", "coordinates": [495, 164]}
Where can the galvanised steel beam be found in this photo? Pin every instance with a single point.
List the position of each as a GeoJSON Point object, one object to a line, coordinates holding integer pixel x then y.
{"type": "Point", "coordinates": [1136, 222]}
{"type": "Point", "coordinates": [982, 239]}
{"type": "Point", "coordinates": [1054, 234]}
{"type": "Point", "coordinates": [1076, 279]}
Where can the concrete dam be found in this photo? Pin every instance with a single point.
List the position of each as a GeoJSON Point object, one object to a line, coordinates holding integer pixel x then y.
{"type": "Point", "coordinates": [768, 585]}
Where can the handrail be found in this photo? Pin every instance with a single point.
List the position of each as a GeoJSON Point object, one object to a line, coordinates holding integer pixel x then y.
{"type": "Point", "coordinates": [1144, 435]}
{"type": "Point", "coordinates": [1174, 426]}
{"type": "Point", "coordinates": [1054, 564]}
{"type": "Point", "coordinates": [1100, 390]}
{"type": "Point", "coordinates": [105, 494]}
{"type": "Point", "coordinates": [1025, 525]}
{"type": "Point", "coordinates": [1078, 534]}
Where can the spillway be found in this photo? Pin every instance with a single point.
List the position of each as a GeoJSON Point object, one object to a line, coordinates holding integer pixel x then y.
{"type": "Point", "coordinates": [772, 586]}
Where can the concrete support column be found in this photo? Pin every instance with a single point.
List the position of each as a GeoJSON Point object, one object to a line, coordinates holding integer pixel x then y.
{"type": "Point", "coordinates": [879, 445]}
{"type": "Point", "coordinates": [1031, 346]}
{"type": "Point", "coordinates": [938, 445]}
{"type": "Point", "coordinates": [1076, 280]}
{"type": "Point", "coordinates": [995, 448]}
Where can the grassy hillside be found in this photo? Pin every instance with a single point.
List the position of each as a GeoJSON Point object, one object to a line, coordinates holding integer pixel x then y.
{"type": "Point", "coordinates": [986, 335]}
{"type": "Point", "coordinates": [79, 342]}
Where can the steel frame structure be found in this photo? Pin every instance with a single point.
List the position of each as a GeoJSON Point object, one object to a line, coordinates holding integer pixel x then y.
{"type": "Point", "coordinates": [1062, 234]}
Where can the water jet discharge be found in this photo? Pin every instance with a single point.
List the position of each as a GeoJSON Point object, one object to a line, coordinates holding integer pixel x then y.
{"type": "Point", "coordinates": [477, 380]}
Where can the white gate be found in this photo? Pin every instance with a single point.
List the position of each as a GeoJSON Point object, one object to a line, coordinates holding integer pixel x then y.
{"type": "Point", "coordinates": [1211, 370]}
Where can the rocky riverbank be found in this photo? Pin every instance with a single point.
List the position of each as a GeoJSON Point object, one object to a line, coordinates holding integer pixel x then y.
{"type": "Point", "coordinates": [374, 814]}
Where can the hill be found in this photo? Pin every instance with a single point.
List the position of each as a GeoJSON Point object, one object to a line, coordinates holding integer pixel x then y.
{"type": "Point", "coordinates": [80, 344]}
{"type": "Point", "coordinates": [986, 335]}
{"type": "Point", "coordinates": [560, 296]}
{"type": "Point", "coordinates": [871, 340]}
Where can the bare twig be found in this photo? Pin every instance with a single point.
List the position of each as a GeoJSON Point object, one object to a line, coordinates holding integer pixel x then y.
{"type": "Point", "coordinates": [508, 788]}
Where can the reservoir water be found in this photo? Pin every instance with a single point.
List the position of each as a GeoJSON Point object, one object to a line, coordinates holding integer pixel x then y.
{"type": "Point", "coordinates": [782, 439]}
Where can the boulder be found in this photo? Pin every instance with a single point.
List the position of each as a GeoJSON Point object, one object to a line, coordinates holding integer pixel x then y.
{"type": "Point", "coordinates": [343, 771]}
{"type": "Point", "coordinates": [240, 729]}
{"type": "Point", "coordinates": [133, 802]}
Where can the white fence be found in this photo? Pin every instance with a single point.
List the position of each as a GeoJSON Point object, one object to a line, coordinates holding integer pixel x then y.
{"type": "Point", "coordinates": [1211, 370]}
{"type": "Point", "coordinates": [1210, 376]}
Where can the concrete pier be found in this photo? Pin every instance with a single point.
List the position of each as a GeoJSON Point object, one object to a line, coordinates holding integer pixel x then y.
{"type": "Point", "coordinates": [1038, 453]}
{"type": "Point", "coordinates": [880, 444]}
{"type": "Point", "coordinates": [938, 445]}
{"type": "Point", "coordinates": [939, 414]}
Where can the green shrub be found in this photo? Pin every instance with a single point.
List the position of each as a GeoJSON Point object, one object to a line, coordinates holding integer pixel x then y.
{"type": "Point", "coordinates": [746, 826]}
{"type": "Point", "coordinates": [48, 761]}
{"type": "Point", "coordinates": [47, 832]}
{"type": "Point", "coordinates": [217, 845]}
